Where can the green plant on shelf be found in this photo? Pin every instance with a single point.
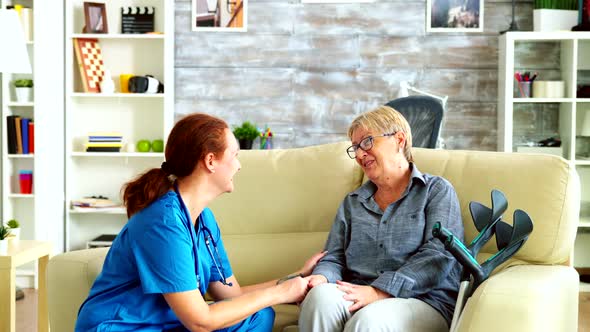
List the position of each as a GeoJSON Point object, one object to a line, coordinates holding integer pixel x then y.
{"type": "Point", "coordinates": [557, 4]}
{"type": "Point", "coordinates": [13, 223]}
{"type": "Point", "coordinates": [4, 232]}
{"type": "Point", "coordinates": [23, 83]}
{"type": "Point", "coordinates": [247, 131]}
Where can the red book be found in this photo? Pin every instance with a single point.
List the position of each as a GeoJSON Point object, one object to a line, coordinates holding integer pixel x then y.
{"type": "Point", "coordinates": [31, 137]}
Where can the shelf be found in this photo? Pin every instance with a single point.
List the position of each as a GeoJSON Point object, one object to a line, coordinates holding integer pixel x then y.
{"type": "Point", "coordinates": [30, 43]}
{"type": "Point", "coordinates": [21, 195]}
{"type": "Point", "coordinates": [548, 36]}
{"type": "Point", "coordinates": [583, 100]}
{"type": "Point", "coordinates": [582, 162]}
{"type": "Point", "coordinates": [118, 210]}
{"type": "Point", "coordinates": [116, 95]}
{"type": "Point", "coordinates": [20, 104]}
{"type": "Point", "coordinates": [543, 100]}
{"type": "Point", "coordinates": [119, 154]}
{"type": "Point", "coordinates": [117, 36]}
{"type": "Point", "coordinates": [22, 156]}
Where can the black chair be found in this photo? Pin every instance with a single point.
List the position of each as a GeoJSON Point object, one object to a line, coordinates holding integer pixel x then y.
{"type": "Point", "coordinates": [424, 114]}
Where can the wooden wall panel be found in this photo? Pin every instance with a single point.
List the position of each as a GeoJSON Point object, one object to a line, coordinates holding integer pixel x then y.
{"type": "Point", "coordinates": [306, 70]}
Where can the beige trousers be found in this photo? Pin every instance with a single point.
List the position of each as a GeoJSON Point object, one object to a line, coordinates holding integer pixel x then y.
{"type": "Point", "coordinates": [324, 310]}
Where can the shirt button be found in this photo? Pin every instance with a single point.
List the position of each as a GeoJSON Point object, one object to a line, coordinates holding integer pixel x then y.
{"type": "Point", "coordinates": [381, 272]}
{"type": "Point", "coordinates": [385, 222]}
{"type": "Point", "coordinates": [381, 245]}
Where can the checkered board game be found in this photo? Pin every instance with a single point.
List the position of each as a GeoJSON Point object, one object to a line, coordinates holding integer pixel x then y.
{"type": "Point", "coordinates": [90, 63]}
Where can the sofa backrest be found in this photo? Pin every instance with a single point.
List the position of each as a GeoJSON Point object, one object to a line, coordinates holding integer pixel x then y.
{"type": "Point", "coordinates": [544, 186]}
{"type": "Point", "coordinates": [285, 201]}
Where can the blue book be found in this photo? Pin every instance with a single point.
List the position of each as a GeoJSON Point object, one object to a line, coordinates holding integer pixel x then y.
{"type": "Point", "coordinates": [24, 127]}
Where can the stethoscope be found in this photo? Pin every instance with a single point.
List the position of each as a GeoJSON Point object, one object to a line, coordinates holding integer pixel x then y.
{"type": "Point", "coordinates": [214, 253]}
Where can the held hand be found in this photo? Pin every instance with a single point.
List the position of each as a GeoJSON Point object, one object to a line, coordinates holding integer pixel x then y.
{"type": "Point", "coordinates": [293, 290]}
{"type": "Point", "coordinates": [360, 295]}
{"type": "Point", "coordinates": [315, 279]}
{"type": "Point", "coordinates": [311, 263]}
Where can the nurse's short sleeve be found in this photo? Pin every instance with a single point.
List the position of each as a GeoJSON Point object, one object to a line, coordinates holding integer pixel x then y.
{"type": "Point", "coordinates": [164, 257]}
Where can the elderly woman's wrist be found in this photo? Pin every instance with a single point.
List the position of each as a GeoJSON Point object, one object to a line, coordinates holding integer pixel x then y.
{"type": "Point", "coordinates": [290, 276]}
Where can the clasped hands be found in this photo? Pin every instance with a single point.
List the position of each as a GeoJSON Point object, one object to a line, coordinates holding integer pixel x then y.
{"type": "Point", "coordinates": [301, 282]}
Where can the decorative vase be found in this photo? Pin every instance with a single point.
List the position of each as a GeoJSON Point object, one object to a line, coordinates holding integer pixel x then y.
{"type": "Point", "coordinates": [16, 233]}
{"type": "Point", "coordinates": [24, 95]}
{"type": "Point", "coordinates": [554, 19]}
{"type": "Point", "coordinates": [3, 247]}
{"type": "Point", "coordinates": [246, 144]}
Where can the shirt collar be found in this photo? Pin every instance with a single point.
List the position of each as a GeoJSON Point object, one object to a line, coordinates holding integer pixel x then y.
{"type": "Point", "coordinates": [368, 189]}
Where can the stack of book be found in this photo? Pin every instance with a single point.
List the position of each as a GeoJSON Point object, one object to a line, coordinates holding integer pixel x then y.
{"type": "Point", "coordinates": [21, 135]}
{"type": "Point", "coordinates": [104, 142]}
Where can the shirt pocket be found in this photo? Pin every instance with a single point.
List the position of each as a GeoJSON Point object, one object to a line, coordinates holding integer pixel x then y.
{"type": "Point", "coordinates": [406, 232]}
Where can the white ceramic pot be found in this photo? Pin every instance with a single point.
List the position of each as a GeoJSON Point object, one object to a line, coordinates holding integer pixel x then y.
{"type": "Point", "coordinates": [16, 233]}
{"type": "Point", "coordinates": [554, 19]}
{"type": "Point", "coordinates": [24, 95]}
{"type": "Point", "coordinates": [3, 247]}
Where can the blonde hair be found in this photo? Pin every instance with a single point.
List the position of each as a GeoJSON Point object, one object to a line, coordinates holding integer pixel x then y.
{"type": "Point", "coordinates": [384, 119]}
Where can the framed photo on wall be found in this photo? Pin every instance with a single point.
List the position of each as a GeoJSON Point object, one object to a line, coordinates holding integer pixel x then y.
{"type": "Point", "coordinates": [95, 18]}
{"type": "Point", "coordinates": [220, 15]}
{"type": "Point", "coordinates": [454, 15]}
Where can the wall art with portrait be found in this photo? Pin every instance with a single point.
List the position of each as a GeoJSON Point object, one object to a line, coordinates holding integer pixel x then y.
{"type": "Point", "coordinates": [219, 15]}
{"type": "Point", "coordinates": [454, 15]}
{"type": "Point", "coordinates": [95, 18]}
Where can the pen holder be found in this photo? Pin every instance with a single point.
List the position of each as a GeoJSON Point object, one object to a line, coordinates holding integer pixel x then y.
{"type": "Point", "coordinates": [522, 89]}
{"type": "Point", "coordinates": [25, 178]}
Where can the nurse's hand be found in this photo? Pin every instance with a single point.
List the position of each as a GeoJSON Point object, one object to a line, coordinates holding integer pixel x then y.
{"type": "Point", "coordinates": [311, 263]}
{"type": "Point", "coordinates": [315, 279]}
{"type": "Point", "coordinates": [293, 290]}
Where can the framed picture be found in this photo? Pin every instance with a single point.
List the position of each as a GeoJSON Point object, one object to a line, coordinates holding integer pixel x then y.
{"type": "Point", "coordinates": [454, 15]}
{"type": "Point", "coordinates": [95, 18]}
{"type": "Point", "coordinates": [220, 15]}
{"type": "Point", "coordinates": [336, 1]}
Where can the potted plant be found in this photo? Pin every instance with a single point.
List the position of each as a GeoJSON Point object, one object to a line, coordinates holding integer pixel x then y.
{"type": "Point", "coordinates": [24, 88]}
{"type": "Point", "coordinates": [246, 134]}
{"type": "Point", "coordinates": [555, 15]}
{"type": "Point", "coordinates": [4, 233]}
{"type": "Point", "coordinates": [14, 226]}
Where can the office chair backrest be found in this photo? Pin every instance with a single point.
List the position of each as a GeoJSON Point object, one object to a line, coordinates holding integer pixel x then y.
{"type": "Point", "coordinates": [424, 114]}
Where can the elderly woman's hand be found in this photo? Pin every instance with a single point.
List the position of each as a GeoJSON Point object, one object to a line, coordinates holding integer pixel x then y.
{"type": "Point", "coordinates": [311, 263]}
{"type": "Point", "coordinates": [315, 279]}
{"type": "Point", "coordinates": [360, 295]}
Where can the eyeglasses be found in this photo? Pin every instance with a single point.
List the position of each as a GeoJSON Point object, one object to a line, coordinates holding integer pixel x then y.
{"type": "Point", "coordinates": [366, 144]}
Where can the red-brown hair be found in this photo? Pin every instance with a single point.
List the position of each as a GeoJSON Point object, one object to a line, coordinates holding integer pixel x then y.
{"type": "Point", "coordinates": [191, 139]}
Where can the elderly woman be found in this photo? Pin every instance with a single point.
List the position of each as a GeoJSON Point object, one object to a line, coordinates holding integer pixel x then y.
{"type": "Point", "coordinates": [384, 271]}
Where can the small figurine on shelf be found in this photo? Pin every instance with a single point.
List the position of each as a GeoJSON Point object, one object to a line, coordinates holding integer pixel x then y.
{"type": "Point", "coordinates": [266, 139]}
{"type": "Point", "coordinates": [107, 85]}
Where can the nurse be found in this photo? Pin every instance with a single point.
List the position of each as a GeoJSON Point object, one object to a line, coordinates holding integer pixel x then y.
{"type": "Point", "coordinates": [170, 252]}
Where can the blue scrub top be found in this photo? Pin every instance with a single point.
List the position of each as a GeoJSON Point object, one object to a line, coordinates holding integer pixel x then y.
{"type": "Point", "coordinates": [155, 253]}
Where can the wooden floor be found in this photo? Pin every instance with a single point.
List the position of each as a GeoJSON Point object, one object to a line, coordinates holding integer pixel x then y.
{"type": "Point", "coordinates": [26, 312]}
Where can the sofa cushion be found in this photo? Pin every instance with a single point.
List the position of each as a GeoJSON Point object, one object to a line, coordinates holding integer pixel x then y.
{"type": "Point", "coordinates": [525, 180]}
{"type": "Point", "coordinates": [287, 191]}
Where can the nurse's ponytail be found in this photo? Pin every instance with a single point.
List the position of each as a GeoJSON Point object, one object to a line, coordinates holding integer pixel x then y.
{"type": "Point", "coordinates": [191, 139]}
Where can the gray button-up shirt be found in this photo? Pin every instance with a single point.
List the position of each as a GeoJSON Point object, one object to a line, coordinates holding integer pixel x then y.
{"type": "Point", "coordinates": [393, 250]}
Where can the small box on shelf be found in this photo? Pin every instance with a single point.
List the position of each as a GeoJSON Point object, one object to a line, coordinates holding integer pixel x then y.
{"type": "Point", "coordinates": [556, 151]}
{"type": "Point", "coordinates": [104, 240]}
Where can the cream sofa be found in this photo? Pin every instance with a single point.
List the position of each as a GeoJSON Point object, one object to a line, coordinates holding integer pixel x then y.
{"type": "Point", "coordinates": [285, 201]}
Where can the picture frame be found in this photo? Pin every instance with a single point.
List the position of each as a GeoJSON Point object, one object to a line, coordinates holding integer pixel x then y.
{"type": "Point", "coordinates": [454, 15]}
{"type": "Point", "coordinates": [95, 18]}
{"type": "Point", "coordinates": [219, 15]}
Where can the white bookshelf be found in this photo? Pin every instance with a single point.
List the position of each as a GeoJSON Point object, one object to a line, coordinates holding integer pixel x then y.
{"type": "Point", "coordinates": [136, 116]}
{"type": "Point", "coordinates": [574, 69]}
{"type": "Point", "coordinates": [41, 213]}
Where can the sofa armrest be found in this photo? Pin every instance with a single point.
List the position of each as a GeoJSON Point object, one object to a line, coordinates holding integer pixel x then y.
{"type": "Point", "coordinates": [525, 298]}
{"type": "Point", "coordinates": [69, 279]}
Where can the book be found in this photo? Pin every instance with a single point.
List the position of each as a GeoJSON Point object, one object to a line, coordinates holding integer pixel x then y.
{"type": "Point", "coordinates": [103, 149]}
{"type": "Point", "coordinates": [11, 134]}
{"type": "Point", "coordinates": [19, 135]}
{"type": "Point", "coordinates": [24, 125]}
{"type": "Point", "coordinates": [31, 137]}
